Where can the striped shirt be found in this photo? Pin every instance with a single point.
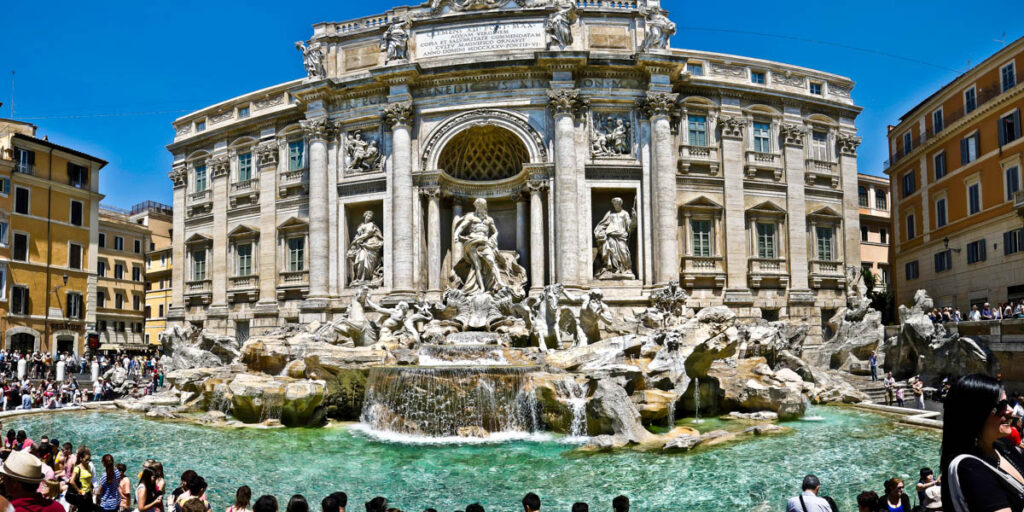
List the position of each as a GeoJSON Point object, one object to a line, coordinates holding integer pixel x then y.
{"type": "Point", "coordinates": [110, 497]}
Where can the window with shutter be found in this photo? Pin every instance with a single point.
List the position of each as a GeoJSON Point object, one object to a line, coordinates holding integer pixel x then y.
{"type": "Point", "coordinates": [1012, 182]}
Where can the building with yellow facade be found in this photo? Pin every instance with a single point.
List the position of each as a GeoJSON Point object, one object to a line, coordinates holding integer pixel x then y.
{"type": "Point", "coordinates": [121, 290]}
{"type": "Point", "coordinates": [49, 223]}
{"type": "Point", "coordinates": [956, 174]}
{"type": "Point", "coordinates": [875, 227]}
{"type": "Point", "coordinates": [158, 218]}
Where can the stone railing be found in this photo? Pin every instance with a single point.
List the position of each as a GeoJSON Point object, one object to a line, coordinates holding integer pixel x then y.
{"type": "Point", "coordinates": [827, 267]}
{"type": "Point", "coordinates": [757, 161]}
{"type": "Point", "coordinates": [703, 268]}
{"type": "Point", "coordinates": [201, 197]}
{"type": "Point", "coordinates": [767, 265]}
{"type": "Point", "coordinates": [606, 4]}
{"type": "Point", "coordinates": [244, 187]}
{"type": "Point", "coordinates": [24, 168]}
{"type": "Point", "coordinates": [821, 166]}
{"type": "Point", "coordinates": [244, 282]}
{"type": "Point", "coordinates": [700, 155]}
{"type": "Point", "coordinates": [296, 278]}
{"type": "Point", "coordinates": [292, 177]}
{"type": "Point", "coordinates": [369, 22]}
{"type": "Point", "coordinates": [198, 287]}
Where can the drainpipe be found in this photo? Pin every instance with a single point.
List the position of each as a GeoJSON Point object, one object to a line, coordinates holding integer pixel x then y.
{"type": "Point", "coordinates": [49, 252]}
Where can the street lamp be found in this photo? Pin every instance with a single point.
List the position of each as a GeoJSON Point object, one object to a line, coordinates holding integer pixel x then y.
{"type": "Point", "coordinates": [945, 245]}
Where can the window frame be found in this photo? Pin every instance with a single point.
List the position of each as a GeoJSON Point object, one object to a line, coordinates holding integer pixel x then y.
{"type": "Point", "coordinates": [762, 240]}
{"type": "Point", "coordinates": [119, 271]}
{"type": "Point", "coordinates": [196, 265]}
{"type": "Point", "coordinates": [884, 200]}
{"type": "Point", "coordinates": [1010, 119]}
{"type": "Point", "coordinates": [119, 243]}
{"type": "Point", "coordinates": [976, 251]}
{"type": "Point", "coordinates": [819, 85]}
{"type": "Point", "coordinates": [5, 186]}
{"type": "Point", "coordinates": [24, 304]}
{"type": "Point", "coordinates": [972, 104]}
{"type": "Point", "coordinates": [137, 246]}
{"type": "Point", "coordinates": [302, 156]}
{"type": "Point", "coordinates": [938, 120]}
{"type": "Point", "coordinates": [291, 263]}
{"type": "Point", "coordinates": [81, 213]}
{"type": "Point", "coordinates": [79, 311]}
{"type": "Point", "coordinates": [866, 201]}
{"type": "Point", "coordinates": [1002, 76]}
{"type": "Point", "coordinates": [911, 226]}
{"type": "Point", "coordinates": [239, 257]}
{"type": "Point", "coordinates": [81, 254]}
{"type": "Point", "coordinates": [691, 65]}
{"type": "Point", "coordinates": [5, 233]}
{"type": "Point", "coordinates": [935, 165]}
{"type": "Point", "coordinates": [969, 143]}
{"type": "Point", "coordinates": [758, 138]}
{"type": "Point", "coordinates": [883, 236]}
{"type": "Point", "coordinates": [248, 167]}
{"type": "Point", "coordinates": [3, 281]}
{"type": "Point", "coordinates": [1015, 167]}
{"type": "Point", "coordinates": [912, 265]}
{"type": "Point", "coordinates": [943, 219]}
{"type": "Point", "coordinates": [1013, 241]}
{"type": "Point", "coordinates": [28, 200]}
{"type": "Point", "coordinates": [908, 141]}
{"type": "Point", "coordinates": [196, 170]}
{"type": "Point", "coordinates": [709, 243]}
{"type": "Point", "coordinates": [969, 184]}
{"type": "Point", "coordinates": [244, 112]}
{"type": "Point", "coordinates": [830, 241]}
{"type": "Point", "coordinates": [945, 257]}
{"type": "Point", "coordinates": [28, 247]}
{"type": "Point", "coordinates": [691, 130]}
{"type": "Point", "coordinates": [910, 175]}
{"type": "Point", "coordinates": [755, 74]}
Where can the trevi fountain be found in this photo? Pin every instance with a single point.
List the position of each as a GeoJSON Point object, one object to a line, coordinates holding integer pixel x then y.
{"type": "Point", "coordinates": [472, 279]}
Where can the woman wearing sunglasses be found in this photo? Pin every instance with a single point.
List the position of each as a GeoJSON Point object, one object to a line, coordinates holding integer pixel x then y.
{"type": "Point", "coordinates": [982, 471]}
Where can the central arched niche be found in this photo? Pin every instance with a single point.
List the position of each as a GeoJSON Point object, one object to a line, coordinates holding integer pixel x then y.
{"type": "Point", "coordinates": [483, 153]}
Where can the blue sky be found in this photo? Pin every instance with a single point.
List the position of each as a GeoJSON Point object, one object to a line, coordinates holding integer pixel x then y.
{"type": "Point", "coordinates": [109, 76]}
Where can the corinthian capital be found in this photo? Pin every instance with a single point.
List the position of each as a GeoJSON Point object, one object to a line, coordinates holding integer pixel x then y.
{"type": "Point", "coordinates": [848, 144]}
{"type": "Point", "coordinates": [732, 126]}
{"type": "Point", "coordinates": [318, 128]}
{"type": "Point", "coordinates": [657, 104]}
{"type": "Point", "coordinates": [399, 113]}
{"type": "Point", "coordinates": [179, 175]}
{"type": "Point", "coordinates": [266, 153]}
{"type": "Point", "coordinates": [538, 186]}
{"type": "Point", "coordinates": [568, 102]}
{"type": "Point", "coordinates": [792, 134]}
{"type": "Point", "coordinates": [218, 166]}
{"type": "Point", "coordinates": [430, 192]}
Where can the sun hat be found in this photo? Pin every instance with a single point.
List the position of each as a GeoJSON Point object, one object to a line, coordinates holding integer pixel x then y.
{"type": "Point", "coordinates": [23, 467]}
{"type": "Point", "coordinates": [933, 495]}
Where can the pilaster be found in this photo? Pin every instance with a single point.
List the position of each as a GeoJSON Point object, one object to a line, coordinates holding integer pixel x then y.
{"type": "Point", "coordinates": [848, 144]}
{"type": "Point", "coordinates": [266, 161]}
{"type": "Point", "coordinates": [793, 137]}
{"type": "Point", "coordinates": [176, 309]}
{"type": "Point", "coordinates": [733, 126]}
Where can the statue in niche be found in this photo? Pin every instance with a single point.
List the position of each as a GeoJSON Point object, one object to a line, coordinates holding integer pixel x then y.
{"type": "Point", "coordinates": [659, 30]}
{"type": "Point", "coordinates": [480, 267]}
{"type": "Point", "coordinates": [559, 25]}
{"type": "Point", "coordinates": [364, 253]}
{"type": "Point", "coordinates": [395, 41]}
{"type": "Point", "coordinates": [313, 59]}
{"type": "Point", "coordinates": [611, 136]}
{"type": "Point", "coordinates": [361, 154]}
{"type": "Point", "coordinates": [612, 235]}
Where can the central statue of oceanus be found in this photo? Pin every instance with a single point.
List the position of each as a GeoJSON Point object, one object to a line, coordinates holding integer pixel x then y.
{"type": "Point", "coordinates": [478, 265]}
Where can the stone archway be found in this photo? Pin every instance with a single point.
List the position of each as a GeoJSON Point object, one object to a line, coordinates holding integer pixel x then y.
{"type": "Point", "coordinates": [517, 125]}
{"type": "Point", "coordinates": [22, 339]}
{"type": "Point", "coordinates": [483, 153]}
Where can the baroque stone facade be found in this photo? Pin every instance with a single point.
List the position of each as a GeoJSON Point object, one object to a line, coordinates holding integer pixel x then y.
{"type": "Point", "coordinates": [734, 177]}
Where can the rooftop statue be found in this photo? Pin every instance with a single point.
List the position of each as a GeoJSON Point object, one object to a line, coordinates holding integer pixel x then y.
{"type": "Point", "coordinates": [395, 41]}
{"type": "Point", "coordinates": [659, 30]}
{"type": "Point", "coordinates": [313, 59]}
{"type": "Point", "coordinates": [559, 25]}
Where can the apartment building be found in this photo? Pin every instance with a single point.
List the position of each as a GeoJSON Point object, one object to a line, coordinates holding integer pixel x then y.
{"type": "Point", "coordinates": [875, 227]}
{"type": "Point", "coordinates": [121, 290]}
{"type": "Point", "coordinates": [158, 219]}
{"type": "Point", "coordinates": [956, 172]}
{"type": "Point", "coordinates": [49, 223]}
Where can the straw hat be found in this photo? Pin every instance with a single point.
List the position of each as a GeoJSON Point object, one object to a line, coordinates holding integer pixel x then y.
{"type": "Point", "coordinates": [23, 467]}
{"type": "Point", "coordinates": [933, 495]}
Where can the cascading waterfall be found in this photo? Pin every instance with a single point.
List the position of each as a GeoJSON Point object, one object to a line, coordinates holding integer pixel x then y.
{"type": "Point", "coordinates": [672, 414]}
{"type": "Point", "coordinates": [696, 400]}
{"type": "Point", "coordinates": [449, 401]}
{"type": "Point", "coordinates": [576, 398]}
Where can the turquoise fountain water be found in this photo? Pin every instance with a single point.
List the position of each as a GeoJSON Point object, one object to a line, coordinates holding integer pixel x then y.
{"type": "Point", "coordinates": [850, 450]}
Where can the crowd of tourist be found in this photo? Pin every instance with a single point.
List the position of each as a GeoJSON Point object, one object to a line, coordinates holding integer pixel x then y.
{"type": "Point", "coordinates": [985, 312]}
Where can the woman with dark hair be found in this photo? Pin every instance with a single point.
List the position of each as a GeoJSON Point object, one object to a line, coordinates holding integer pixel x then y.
{"type": "Point", "coordinates": [265, 503]}
{"type": "Point", "coordinates": [981, 473]}
{"type": "Point", "coordinates": [298, 503]}
{"type": "Point", "coordinates": [108, 496]}
{"type": "Point", "coordinates": [895, 500]}
{"type": "Point", "coordinates": [146, 494]}
{"type": "Point", "coordinates": [243, 497]}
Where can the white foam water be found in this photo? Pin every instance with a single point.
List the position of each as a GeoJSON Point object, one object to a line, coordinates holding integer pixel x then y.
{"type": "Point", "coordinates": [388, 436]}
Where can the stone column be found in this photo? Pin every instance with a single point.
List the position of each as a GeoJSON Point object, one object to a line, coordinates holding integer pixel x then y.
{"type": "Point", "coordinates": [433, 238]}
{"type": "Point", "coordinates": [566, 104]}
{"type": "Point", "coordinates": [267, 161]}
{"type": "Point", "coordinates": [399, 117]}
{"type": "Point", "coordinates": [793, 140]}
{"type": "Point", "coordinates": [848, 144]}
{"type": "Point", "coordinates": [219, 168]}
{"type": "Point", "coordinates": [736, 243]}
{"type": "Point", "coordinates": [176, 309]}
{"type": "Point", "coordinates": [658, 107]}
{"type": "Point", "coordinates": [536, 188]}
{"type": "Point", "coordinates": [521, 227]}
{"type": "Point", "coordinates": [318, 131]}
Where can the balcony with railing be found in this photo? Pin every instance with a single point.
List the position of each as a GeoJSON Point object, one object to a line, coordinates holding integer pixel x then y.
{"type": "Point", "coordinates": [821, 171]}
{"type": "Point", "coordinates": [24, 168]}
{"type": "Point", "coordinates": [243, 288]}
{"type": "Point", "coordinates": [200, 198]}
{"type": "Point", "coordinates": [705, 157]}
{"type": "Point", "coordinates": [292, 182]}
{"type": "Point", "coordinates": [200, 290]}
{"type": "Point", "coordinates": [827, 274]}
{"type": "Point", "coordinates": [703, 269]}
{"type": "Point", "coordinates": [1018, 202]}
{"type": "Point", "coordinates": [244, 191]}
{"type": "Point", "coordinates": [768, 272]}
{"type": "Point", "coordinates": [292, 280]}
{"type": "Point", "coordinates": [758, 163]}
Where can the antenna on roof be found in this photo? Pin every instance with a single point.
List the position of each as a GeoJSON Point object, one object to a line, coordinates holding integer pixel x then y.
{"type": "Point", "coordinates": [1001, 41]}
{"type": "Point", "coordinates": [12, 94]}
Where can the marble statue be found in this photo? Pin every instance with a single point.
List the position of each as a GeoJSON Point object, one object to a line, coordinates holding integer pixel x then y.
{"type": "Point", "coordinates": [554, 318]}
{"type": "Point", "coordinates": [593, 313]}
{"type": "Point", "coordinates": [365, 265]}
{"type": "Point", "coordinates": [361, 154]}
{"type": "Point", "coordinates": [659, 30]}
{"type": "Point", "coordinates": [436, 6]}
{"type": "Point", "coordinates": [313, 59]}
{"type": "Point", "coordinates": [611, 136]}
{"type": "Point", "coordinates": [480, 267]}
{"type": "Point", "coordinates": [559, 25]}
{"type": "Point", "coordinates": [612, 235]}
{"type": "Point", "coordinates": [395, 41]}
{"type": "Point", "coordinates": [354, 325]}
{"type": "Point", "coordinates": [402, 319]}
{"type": "Point", "coordinates": [668, 307]}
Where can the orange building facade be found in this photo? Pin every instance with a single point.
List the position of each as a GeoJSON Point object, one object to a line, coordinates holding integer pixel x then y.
{"type": "Point", "coordinates": [956, 188]}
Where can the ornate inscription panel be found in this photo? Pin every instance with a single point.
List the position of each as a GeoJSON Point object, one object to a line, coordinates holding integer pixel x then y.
{"type": "Point", "coordinates": [486, 37]}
